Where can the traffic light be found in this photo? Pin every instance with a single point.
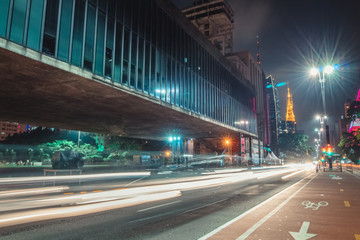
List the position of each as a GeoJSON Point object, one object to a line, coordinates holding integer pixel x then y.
{"type": "Point", "coordinates": [323, 150]}
{"type": "Point", "coordinates": [329, 150]}
{"type": "Point", "coordinates": [167, 153]}
{"type": "Point", "coordinates": [322, 159]}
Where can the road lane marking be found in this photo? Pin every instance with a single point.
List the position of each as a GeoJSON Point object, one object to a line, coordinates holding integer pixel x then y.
{"type": "Point", "coordinates": [162, 205]}
{"type": "Point", "coordinates": [97, 191]}
{"type": "Point", "coordinates": [269, 215]}
{"type": "Point", "coordinates": [302, 234]}
{"type": "Point", "coordinates": [357, 236]}
{"type": "Point", "coordinates": [347, 204]}
{"type": "Point", "coordinates": [203, 206]}
{"type": "Point", "coordinates": [339, 183]}
{"type": "Point", "coordinates": [135, 181]}
{"type": "Point", "coordinates": [69, 193]}
{"type": "Point", "coordinates": [210, 234]}
{"type": "Point", "coordinates": [83, 192]}
{"type": "Point", "coordinates": [341, 190]}
{"type": "Point", "coordinates": [314, 206]}
{"type": "Point", "coordinates": [292, 174]}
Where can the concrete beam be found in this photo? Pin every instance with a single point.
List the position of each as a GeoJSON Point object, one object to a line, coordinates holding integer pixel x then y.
{"type": "Point", "coordinates": [40, 90]}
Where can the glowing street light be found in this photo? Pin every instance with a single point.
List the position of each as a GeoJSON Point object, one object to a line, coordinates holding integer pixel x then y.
{"type": "Point", "coordinates": [321, 74]}
{"type": "Point", "coordinates": [227, 143]}
{"type": "Point", "coordinates": [314, 71]}
{"type": "Point", "coordinates": [328, 69]}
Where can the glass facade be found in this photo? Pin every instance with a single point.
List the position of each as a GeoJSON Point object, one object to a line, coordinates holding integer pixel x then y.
{"type": "Point", "coordinates": [134, 43]}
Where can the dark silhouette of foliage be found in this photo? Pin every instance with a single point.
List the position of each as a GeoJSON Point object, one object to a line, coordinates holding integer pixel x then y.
{"type": "Point", "coordinates": [294, 143]}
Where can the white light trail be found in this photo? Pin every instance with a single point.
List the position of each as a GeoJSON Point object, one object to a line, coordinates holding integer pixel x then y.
{"type": "Point", "coordinates": [53, 213]}
{"type": "Point", "coordinates": [115, 198]}
{"type": "Point", "coordinates": [32, 191]}
{"type": "Point", "coordinates": [74, 177]}
{"type": "Point", "coordinates": [271, 174]}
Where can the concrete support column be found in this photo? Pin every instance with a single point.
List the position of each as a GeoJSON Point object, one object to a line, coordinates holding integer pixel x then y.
{"type": "Point", "coordinates": [250, 148]}
{"type": "Point", "coordinates": [240, 147]}
{"type": "Point", "coordinates": [188, 147]}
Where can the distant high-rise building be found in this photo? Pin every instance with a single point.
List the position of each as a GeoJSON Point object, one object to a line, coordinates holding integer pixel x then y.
{"type": "Point", "coordinates": [355, 124]}
{"type": "Point", "coordinates": [11, 128]}
{"type": "Point", "coordinates": [347, 106]}
{"type": "Point", "coordinates": [274, 111]}
{"type": "Point", "coordinates": [343, 125]}
{"type": "Point", "coordinates": [215, 19]}
{"type": "Point", "coordinates": [290, 116]}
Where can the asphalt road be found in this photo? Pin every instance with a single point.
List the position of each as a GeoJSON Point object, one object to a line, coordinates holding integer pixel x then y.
{"type": "Point", "coordinates": [190, 206]}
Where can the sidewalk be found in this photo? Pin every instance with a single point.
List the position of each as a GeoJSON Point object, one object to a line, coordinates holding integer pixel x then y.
{"type": "Point", "coordinates": [321, 206]}
{"type": "Point", "coordinates": [352, 168]}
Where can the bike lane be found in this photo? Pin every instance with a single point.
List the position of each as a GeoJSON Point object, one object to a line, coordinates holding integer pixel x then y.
{"type": "Point", "coordinates": [321, 206]}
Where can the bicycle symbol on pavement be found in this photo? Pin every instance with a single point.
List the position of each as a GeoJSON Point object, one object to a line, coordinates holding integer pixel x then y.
{"type": "Point", "coordinates": [314, 206]}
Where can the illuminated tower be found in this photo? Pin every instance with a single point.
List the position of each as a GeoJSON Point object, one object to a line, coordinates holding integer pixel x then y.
{"type": "Point", "coordinates": [290, 116]}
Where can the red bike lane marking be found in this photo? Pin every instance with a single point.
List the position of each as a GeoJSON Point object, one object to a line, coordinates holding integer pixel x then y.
{"type": "Point", "coordinates": [325, 221]}
{"type": "Point", "coordinates": [315, 210]}
{"type": "Point", "coordinates": [246, 221]}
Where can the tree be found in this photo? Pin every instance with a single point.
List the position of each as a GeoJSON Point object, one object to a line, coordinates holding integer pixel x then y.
{"type": "Point", "coordinates": [350, 146]}
{"type": "Point", "coordinates": [116, 143]}
{"type": "Point", "coordinates": [294, 143]}
{"type": "Point", "coordinates": [44, 135]}
{"type": "Point", "coordinates": [31, 154]}
{"type": "Point", "coordinates": [87, 151]}
{"type": "Point", "coordinates": [354, 111]}
{"type": "Point", "coordinates": [121, 148]}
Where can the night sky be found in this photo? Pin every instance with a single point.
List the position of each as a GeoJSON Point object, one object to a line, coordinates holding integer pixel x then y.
{"type": "Point", "coordinates": [296, 35]}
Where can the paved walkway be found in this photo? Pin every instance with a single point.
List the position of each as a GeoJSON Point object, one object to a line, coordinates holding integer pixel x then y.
{"type": "Point", "coordinates": [321, 206]}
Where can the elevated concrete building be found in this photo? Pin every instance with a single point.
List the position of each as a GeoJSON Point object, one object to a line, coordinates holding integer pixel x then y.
{"type": "Point", "coordinates": [215, 20]}
{"type": "Point", "coordinates": [130, 68]}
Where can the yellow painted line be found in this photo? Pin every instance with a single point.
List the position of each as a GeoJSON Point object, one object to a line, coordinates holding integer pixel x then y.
{"type": "Point", "coordinates": [83, 192]}
{"type": "Point", "coordinates": [97, 191]}
{"type": "Point", "coordinates": [341, 190]}
{"type": "Point", "coordinates": [120, 188]}
{"type": "Point", "coordinates": [347, 204]}
{"type": "Point", "coordinates": [357, 236]}
{"type": "Point", "coordinates": [69, 193]}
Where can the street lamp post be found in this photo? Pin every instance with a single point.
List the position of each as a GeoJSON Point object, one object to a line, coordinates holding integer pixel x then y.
{"type": "Point", "coordinates": [317, 145]}
{"type": "Point", "coordinates": [321, 74]}
{"type": "Point", "coordinates": [319, 133]}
